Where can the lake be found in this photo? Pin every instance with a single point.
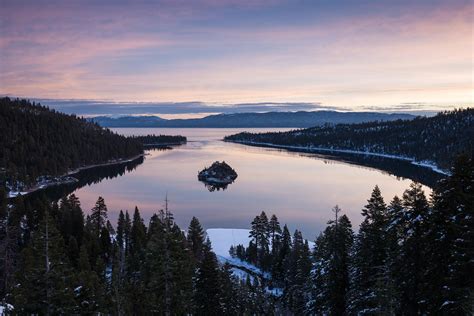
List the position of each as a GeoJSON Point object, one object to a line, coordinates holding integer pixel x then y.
{"type": "Point", "coordinates": [301, 189]}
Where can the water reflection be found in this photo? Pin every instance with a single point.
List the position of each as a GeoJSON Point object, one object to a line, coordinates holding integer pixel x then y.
{"type": "Point", "coordinates": [401, 169]}
{"type": "Point", "coordinates": [88, 177]}
{"type": "Point", "coordinates": [300, 188]}
{"type": "Point", "coordinates": [215, 186]}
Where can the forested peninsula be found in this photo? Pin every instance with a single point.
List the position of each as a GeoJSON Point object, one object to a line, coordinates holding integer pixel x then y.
{"type": "Point", "coordinates": [434, 140]}
{"type": "Point", "coordinates": [41, 146]}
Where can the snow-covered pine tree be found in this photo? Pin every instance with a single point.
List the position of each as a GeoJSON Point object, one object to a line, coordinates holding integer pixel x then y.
{"type": "Point", "coordinates": [369, 273]}
{"type": "Point", "coordinates": [330, 273]}
{"type": "Point", "coordinates": [448, 283]}
{"type": "Point", "coordinates": [410, 261]}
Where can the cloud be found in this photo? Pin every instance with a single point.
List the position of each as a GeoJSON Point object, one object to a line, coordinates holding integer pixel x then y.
{"type": "Point", "coordinates": [101, 107]}
{"type": "Point", "coordinates": [234, 51]}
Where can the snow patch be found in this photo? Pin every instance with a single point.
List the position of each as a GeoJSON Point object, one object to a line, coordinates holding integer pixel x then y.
{"type": "Point", "coordinates": [221, 240]}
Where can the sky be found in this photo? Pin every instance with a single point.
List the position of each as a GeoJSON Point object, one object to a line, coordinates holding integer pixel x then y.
{"type": "Point", "coordinates": [206, 56]}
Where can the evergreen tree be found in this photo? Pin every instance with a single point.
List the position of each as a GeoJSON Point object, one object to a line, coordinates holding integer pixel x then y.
{"type": "Point", "coordinates": [331, 268]}
{"type": "Point", "coordinates": [228, 292]}
{"type": "Point", "coordinates": [280, 262]}
{"type": "Point", "coordinates": [207, 293]}
{"type": "Point", "coordinates": [137, 241]}
{"type": "Point", "coordinates": [89, 292]}
{"type": "Point", "coordinates": [167, 274]}
{"type": "Point", "coordinates": [9, 238]}
{"type": "Point", "coordinates": [447, 283]}
{"type": "Point", "coordinates": [260, 235]}
{"type": "Point", "coordinates": [294, 293]}
{"type": "Point", "coordinates": [196, 238]}
{"type": "Point", "coordinates": [127, 231]}
{"type": "Point", "coordinates": [370, 275]}
{"type": "Point", "coordinates": [98, 215]}
{"type": "Point", "coordinates": [410, 259]}
{"type": "Point", "coordinates": [121, 244]}
{"type": "Point", "coordinates": [45, 281]}
{"type": "Point", "coordinates": [275, 234]}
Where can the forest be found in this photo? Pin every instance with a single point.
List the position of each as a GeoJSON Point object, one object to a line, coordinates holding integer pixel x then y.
{"type": "Point", "coordinates": [439, 139]}
{"type": "Point", "coordinates": [40, 142]}
{"type": "Point", "coordinates": [410, 256]}
{"type": "Point", "coordinates": [149, 140]}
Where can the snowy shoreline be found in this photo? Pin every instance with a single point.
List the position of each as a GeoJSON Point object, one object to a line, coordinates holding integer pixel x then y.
{"type": "Point", "coordinates": [424, 164]}
{"type": "Point", "coordinates": [67, 177]}
{"type": "Point", "coordinates": [221, 240]}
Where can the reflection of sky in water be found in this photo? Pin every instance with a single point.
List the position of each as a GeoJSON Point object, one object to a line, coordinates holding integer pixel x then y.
{"type": "Point", "coordinates": [300, 190]}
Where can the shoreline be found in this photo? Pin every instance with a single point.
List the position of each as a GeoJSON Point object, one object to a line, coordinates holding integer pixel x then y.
{"type": "Point", "coordinates": [413, 161]}
{"type": "Point", "coordinates": [67, 177]}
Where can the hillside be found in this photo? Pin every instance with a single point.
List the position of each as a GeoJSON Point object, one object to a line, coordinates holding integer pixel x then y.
{"type": "Point", "coordinates": [437, 139]}
{"type": "Point", "coordinates": [269, 119]}
{"type": "Point", "coordinates": [37, 141]}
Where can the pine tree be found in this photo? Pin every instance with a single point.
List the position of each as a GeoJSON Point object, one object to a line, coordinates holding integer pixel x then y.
{"type": "Point", "coordinates": [45, 281]}
{"type": "Point", "coordinates": [167, 274]}
{"type": "Point", "coordinates": [280, 262]}
{"type": "Point", "coordinates": [275, 234]}
{"type": "Point", "coordinates": [447, 283]}
{"type": "Point", "coordinates": [98, 215]}
{"type": "Point", "coordinates": [228, 291]}
{"type": "Point", "coordinates": [294, 292]}
{"type": "Point", "coordinates": [331, 268]}
{"type": "Point", "coordinates": [207, 293]}
{"type": "Point", "coordinates": [9, 237]}
{"type": "Point", "coordinates": [121, 244]}
{"type": "Point", "coordinates": [260, 235]}
{"type": "Point", "coordinates": [410, 260]}
{"type": "Point", "coordinates": [318, 303]}
{"type": "Point", "coordinates": [369, 273]}
{"type": "Point", "coordinates": [89, 292]}
{"type": "Point", "coordinates": [127, 231]}
{"type": "Point", "coordinates": [137, 241]}
{"type": "Point", "coordinates": [196, 238]}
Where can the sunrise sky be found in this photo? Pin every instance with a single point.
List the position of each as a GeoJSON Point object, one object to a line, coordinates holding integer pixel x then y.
{"type": "Point", "coordinates": [354, 55]}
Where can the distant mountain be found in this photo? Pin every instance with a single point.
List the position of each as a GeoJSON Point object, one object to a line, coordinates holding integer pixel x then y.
{"type": "Point", "coordinates": [269, 119]}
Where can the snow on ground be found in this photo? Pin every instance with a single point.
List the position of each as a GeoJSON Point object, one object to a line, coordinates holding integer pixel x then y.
{"type": "Point", "coordinates": [221, 240]}
{"type": "Point", "coordinates": [5, 308]}
{"type": "Point", "coordinates": [13, 194]}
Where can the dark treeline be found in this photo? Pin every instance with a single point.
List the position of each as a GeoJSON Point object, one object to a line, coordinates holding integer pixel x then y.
{"type": "Point", "coordinates": [160, 139]}
{"type": "Point", "coordinates": [37, 141]}
{"type": "Point", "coordinates": [412, 256]}
{"type": "Point", "coordinates": [438, 139]}
{"type": "Point", "coordinates": [56, 261]}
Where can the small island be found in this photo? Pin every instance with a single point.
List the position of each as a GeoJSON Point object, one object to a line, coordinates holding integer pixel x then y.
{"type": "Point", "coordinates": [160, 141]}
{"type": "Point", "coordinates": [218, 175]}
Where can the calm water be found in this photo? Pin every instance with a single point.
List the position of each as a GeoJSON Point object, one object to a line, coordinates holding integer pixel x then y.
{"type": "Point", "coordinates": [300, 189]}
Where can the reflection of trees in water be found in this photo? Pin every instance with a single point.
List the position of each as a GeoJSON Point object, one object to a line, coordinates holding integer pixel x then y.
{"type": "Point", "coordinates": [401, 169]}
{"type": "Point", "coordinates": [87, 177]}
{"type": "Point", "coordinates": [215, 187]}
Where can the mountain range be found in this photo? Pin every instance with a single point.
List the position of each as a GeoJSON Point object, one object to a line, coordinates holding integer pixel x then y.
{"type": "Point", "coordinates": [299, 119]}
